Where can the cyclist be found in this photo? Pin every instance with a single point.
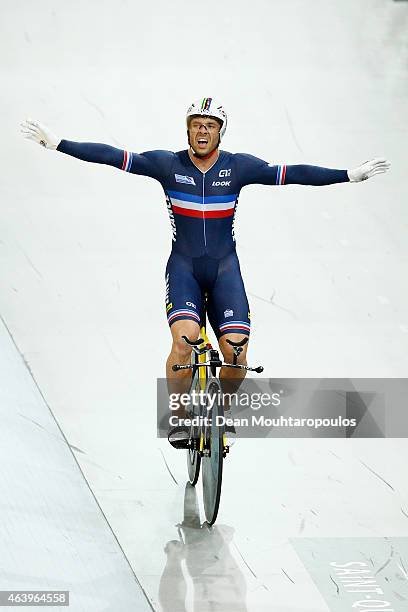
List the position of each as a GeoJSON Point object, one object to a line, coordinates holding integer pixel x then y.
{"type": "Point", "coordinates": [202, 185]}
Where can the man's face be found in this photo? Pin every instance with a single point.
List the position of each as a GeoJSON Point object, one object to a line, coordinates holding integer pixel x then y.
{"type": "Point", "coordinates": [204, 134]}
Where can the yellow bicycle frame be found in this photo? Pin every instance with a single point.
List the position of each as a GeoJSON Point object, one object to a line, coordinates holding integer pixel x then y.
{"type": "Point", "coordinates": [203, 380]}
{"type": "Point", "coordinates": [202, 374]}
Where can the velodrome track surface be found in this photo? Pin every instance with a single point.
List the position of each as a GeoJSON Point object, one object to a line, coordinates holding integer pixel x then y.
{"type": "Point", "coordinates": [90, 498]}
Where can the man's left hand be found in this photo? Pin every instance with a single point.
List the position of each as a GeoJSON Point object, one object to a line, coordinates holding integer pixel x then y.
{"type": "Point", "coordinates": [379, 165]}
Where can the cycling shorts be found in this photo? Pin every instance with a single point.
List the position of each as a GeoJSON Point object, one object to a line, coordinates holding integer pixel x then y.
{"type": "Point", "coordinates": [189, 279]}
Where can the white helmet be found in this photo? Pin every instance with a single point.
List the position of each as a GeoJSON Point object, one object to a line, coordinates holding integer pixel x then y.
{"type": "Point", "coordinates": [208, 107]}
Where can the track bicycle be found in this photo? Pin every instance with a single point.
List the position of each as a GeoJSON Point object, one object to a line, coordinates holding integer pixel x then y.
{"type": "Point", "coordinates": [207, 444]}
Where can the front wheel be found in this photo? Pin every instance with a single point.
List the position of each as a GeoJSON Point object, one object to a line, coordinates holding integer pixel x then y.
{"type": "Point", "coordinates": [193, 466]}
{"type": "Point", "coordinates": [212, 464]}
{"type": "Point", "coordinates": [193, 455]}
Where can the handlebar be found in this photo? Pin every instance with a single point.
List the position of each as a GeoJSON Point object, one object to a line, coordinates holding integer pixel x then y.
{"type": "Point", "coordinates": [176, 367]}
{"type": "Point", "coordinates": [237, 346]}
{"type": "Point", "coordinates": [189, 366]}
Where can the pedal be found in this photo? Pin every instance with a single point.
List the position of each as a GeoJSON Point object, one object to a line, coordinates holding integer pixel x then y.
{"type": "Point", "coordinates": [179, 437]}
{"type": "Point", "coordinates": [180, 443]}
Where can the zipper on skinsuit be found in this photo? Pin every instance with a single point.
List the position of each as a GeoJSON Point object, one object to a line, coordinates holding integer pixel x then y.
{"type": "Point", "coordinates": [205, 236]}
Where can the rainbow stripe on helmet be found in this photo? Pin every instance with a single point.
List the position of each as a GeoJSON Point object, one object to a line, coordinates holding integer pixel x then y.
{"type": "Point", "coordinates": [205, 104]}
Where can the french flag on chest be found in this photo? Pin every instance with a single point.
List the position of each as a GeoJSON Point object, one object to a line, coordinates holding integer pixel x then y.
{"type": "Point", "coordinates": [209, 207]}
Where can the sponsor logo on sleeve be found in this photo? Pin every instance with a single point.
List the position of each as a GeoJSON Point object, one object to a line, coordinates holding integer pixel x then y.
{"type": "Point", "coordinates": [228, 313]}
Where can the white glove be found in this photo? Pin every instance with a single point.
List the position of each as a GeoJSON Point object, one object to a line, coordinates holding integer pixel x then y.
{"type": "Point", "coordinates": [36, 131]}
{"type": "Point", "coordinates": [379, 165]}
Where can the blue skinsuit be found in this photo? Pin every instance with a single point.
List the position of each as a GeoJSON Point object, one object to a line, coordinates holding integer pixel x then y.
{"type": "Point", "coordinates": [202, 208]}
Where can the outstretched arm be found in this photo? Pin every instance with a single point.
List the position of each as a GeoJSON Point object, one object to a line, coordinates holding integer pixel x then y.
{"type": "Point", "coordinates": [151, 163]}
{"type": "Point", "coordinates": [258, 171]}
{"type": "Point", "coordinates": [315, 175]}
{"type": "Point", "coordinates": [95, 152]}
{"type": "Point", "coordinates": [311, 175]}
{"type": "Point", "coordinates": [86, 151]}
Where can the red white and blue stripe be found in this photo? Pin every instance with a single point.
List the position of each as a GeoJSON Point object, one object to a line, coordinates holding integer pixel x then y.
{"type": "Point", "coordinates": [280, 175]}
{"type": "Point", "coordinates": [231, 326]}
{"type": "Point", "coordinates": [183, 313]}
{"type": "Point", "coordinates": [209, 207]}
{"type": "Point", "coordinates": [127, 160]}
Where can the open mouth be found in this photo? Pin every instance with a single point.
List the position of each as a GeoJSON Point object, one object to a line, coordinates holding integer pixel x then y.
{"type": "Point", "coordinates": [202, 142]}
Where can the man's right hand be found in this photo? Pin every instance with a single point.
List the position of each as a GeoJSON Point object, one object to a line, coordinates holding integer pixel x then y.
{"type": "Point", "coordinates": [370, 168]}
{"type": "Point", "coordinates": [36, 131]}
